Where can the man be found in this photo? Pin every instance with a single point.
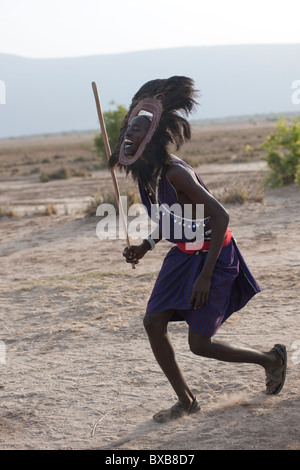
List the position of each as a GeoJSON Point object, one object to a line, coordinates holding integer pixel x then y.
{"type": "Point", "coordinates": [201, 284]}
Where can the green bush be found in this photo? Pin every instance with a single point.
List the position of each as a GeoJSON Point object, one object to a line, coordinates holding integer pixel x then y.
{"type": "Point", "coordinates": [113, 120]}
{"type": "Point", "coordinates": [283, 157]}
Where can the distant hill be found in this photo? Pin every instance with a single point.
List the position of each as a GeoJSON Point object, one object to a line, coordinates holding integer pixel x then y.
{"type": "Point", "coordinates": [54, 95]}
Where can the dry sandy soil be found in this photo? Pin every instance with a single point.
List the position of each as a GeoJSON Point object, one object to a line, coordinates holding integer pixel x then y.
{"type": "Point", "coordinates": [76, 369]}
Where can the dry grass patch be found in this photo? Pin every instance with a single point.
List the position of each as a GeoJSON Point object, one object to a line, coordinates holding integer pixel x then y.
{"type": "Point", "coordinates": [108, 197]}
{"type": "Point", "coordinates": [7, 211]}
{"type": "Point", "coordinates": [242, 192]}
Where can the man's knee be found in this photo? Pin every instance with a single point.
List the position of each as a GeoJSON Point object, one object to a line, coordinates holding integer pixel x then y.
{"type": "Point", "coordinates": [201, 346]}
{"type": "Point", "coordinates": [147, 322]}
{"type": "Point", "coordinates": [155, 324]}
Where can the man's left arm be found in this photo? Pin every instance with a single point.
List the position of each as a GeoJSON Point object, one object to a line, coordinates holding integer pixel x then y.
{"type": "Point", "coordinates": [185, 182]}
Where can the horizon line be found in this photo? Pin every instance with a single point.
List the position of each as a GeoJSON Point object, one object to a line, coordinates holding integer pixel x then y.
{"type": "Point", "coordinates": [150, 50]}
{"type": "Point", "coordinates": [270, 117]}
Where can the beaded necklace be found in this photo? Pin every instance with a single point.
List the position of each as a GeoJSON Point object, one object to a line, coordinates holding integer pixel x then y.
{"type": "Point", "coordinates": [191, 223]}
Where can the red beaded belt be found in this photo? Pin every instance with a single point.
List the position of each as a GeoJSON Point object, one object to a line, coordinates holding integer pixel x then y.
{"type": "Point", "coordinates": [203, 246]}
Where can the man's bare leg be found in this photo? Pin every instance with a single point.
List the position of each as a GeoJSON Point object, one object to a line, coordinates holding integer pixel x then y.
{"type": "Point", "coordinates": [209, 347]}
{"type": "Point", "coordinates": [156, 327]}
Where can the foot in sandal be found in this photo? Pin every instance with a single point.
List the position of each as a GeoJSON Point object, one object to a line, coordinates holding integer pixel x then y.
{"type": "Point", "coordinates": [276, 377]}
{"type": "Point", "coordinates": [177, 411]}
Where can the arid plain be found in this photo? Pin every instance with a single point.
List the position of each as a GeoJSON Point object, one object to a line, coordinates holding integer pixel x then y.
{"type": "Point", "coordinates": [76, 369]}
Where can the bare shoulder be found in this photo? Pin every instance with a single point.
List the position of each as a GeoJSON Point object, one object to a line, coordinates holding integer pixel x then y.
{"type": "Point", "coordinates": [179, 175]}
{"type": "Point", "coordinates": [186, 184]}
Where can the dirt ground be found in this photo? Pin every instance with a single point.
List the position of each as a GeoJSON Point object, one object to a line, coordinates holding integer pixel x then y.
{"type": "Point", "coordinates": [76, 369]}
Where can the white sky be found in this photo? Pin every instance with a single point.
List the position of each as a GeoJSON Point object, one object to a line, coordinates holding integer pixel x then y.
{"type": "Point", "coordinates": [70, 28]}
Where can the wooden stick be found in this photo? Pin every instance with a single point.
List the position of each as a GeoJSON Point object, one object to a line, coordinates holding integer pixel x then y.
{"type": "Point", "coordinates": [112, 172]}
{"type": "Point", "coordinates": [99, 420]}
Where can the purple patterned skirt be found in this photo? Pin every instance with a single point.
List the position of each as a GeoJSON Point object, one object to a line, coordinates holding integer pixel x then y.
{"type": "Point", "coordinates": [232, 286]}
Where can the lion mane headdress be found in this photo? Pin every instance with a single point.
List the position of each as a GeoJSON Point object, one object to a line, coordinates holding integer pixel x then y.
{"type": "Point", "coordinates": [168, 101]}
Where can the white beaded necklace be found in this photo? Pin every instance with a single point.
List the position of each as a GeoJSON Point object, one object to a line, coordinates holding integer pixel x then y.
{"type": "Point", "coordinates": [177, 218]}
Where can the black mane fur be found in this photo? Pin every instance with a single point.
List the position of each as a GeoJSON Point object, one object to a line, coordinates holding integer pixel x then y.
{"type": "Point", "coordinates": [177, 95]}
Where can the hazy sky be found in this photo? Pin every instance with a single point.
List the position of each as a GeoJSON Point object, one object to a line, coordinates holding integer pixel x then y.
{"type": "Point", "coordinates": [68, 28]}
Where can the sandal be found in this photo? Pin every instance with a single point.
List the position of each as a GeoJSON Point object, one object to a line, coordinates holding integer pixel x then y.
{"type": "Point", "coordinates": [278, 375]}
{"type": "Point", "coordinates": [176, 411]}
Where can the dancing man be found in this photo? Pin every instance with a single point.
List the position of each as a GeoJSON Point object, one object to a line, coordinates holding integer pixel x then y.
{"type": "Point", "coordinates": [202, 280]}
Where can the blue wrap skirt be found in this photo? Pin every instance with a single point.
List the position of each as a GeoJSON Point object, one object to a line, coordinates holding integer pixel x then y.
{"type": "Point", "coordinates": [232, 286]}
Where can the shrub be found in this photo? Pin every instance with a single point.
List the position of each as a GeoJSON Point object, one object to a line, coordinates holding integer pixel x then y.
{"type": "Point", "coordinates": [242, 192]}
{"type": "Point", "coordinates": [50, 209]}
{"type": "Point", "coordinates": [7, 211]}
{"type": "Point", "coordinates": [283, 157]}
{"type": "Point", "coordinates": [109, 197]}
{"type": "Point", "coordinates": [63, 173]}
{"type": "Point", "coordinates": [113, 120]}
